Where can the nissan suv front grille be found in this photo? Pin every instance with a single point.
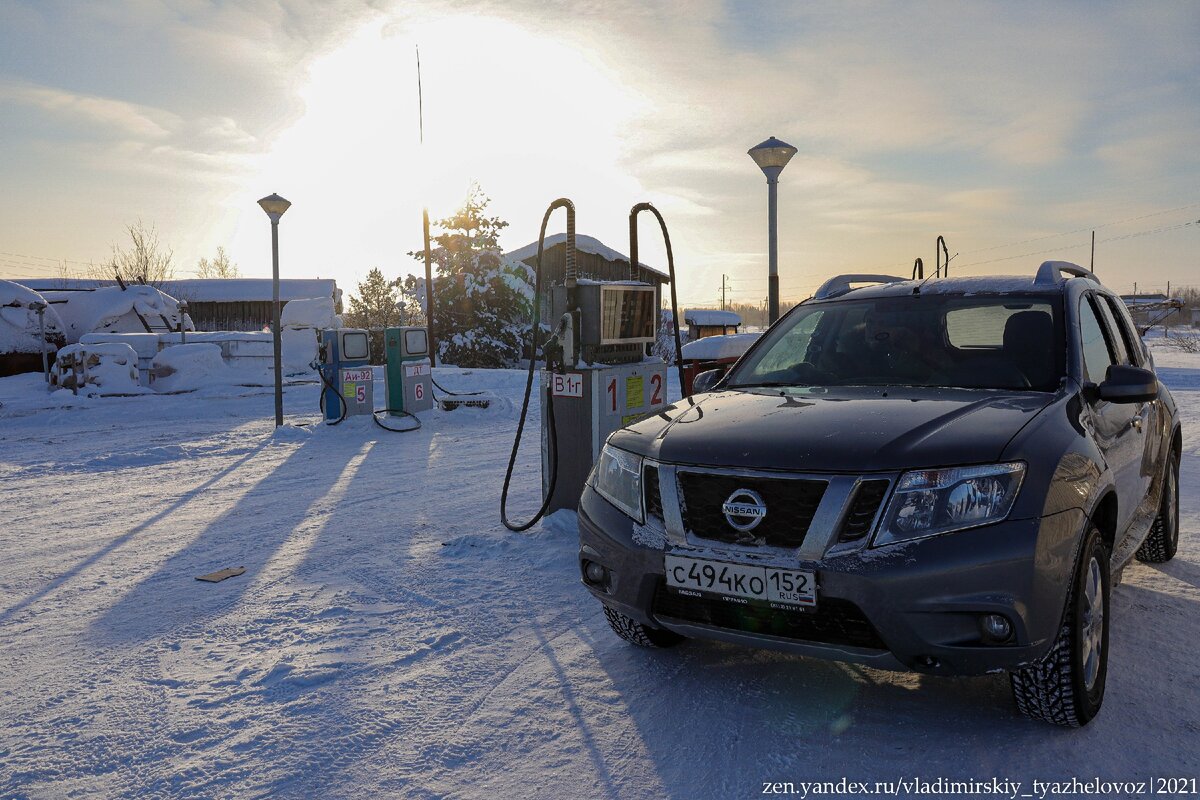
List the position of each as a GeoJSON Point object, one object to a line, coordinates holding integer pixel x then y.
{"type": "Point", "coordinates": [790, 504]}
{"type": "Point", "coordinates": [868, 497]}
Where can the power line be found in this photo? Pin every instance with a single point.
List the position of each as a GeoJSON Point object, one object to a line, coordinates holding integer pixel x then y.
{"type": "Point", "coordinates": [47, 258]}
{"type": "Point", "coordinates": [1081, 230]}
{"type": "Point", "coordinates": [1081, 244]}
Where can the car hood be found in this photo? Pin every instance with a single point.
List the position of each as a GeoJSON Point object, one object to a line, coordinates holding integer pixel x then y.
{"type": "Point", "coordinates": [835, 430]}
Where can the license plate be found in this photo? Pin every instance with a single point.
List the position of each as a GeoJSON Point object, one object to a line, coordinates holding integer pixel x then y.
{"type": "Point", "coordinates": [794, 587]}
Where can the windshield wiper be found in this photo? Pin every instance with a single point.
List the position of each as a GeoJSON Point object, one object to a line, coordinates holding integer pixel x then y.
{"type": "Point", "coordinates": [764, 385]}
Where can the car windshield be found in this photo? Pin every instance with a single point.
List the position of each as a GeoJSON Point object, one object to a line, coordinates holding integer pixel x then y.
{"type": "Point", "coordinates": [968, 341]}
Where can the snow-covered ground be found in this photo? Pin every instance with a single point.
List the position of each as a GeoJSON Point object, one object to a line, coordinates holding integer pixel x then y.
{"type": "Point", "coordinates": [391, 639]}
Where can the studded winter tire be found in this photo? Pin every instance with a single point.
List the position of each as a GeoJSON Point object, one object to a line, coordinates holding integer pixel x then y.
{"type": "Point", "coordinates": [632, 631]}
{"type": "Point", "coordinates": [1067, 686]}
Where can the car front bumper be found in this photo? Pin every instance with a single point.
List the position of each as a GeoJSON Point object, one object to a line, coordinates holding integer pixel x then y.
{"type": "Point", "coordinates": [915, 605]}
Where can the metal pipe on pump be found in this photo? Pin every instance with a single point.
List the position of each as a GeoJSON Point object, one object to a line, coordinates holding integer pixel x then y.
{"type": "Point", "coordinates": [633, 261]}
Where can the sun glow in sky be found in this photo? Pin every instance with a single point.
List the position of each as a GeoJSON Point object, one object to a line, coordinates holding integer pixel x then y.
{"type": "Point", "coordinates": [1011, 130]}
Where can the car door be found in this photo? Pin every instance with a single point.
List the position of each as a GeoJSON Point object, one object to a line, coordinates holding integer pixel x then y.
{"type": "Point", "coordinates": [1152, 427]}
{"type": "Point", "coordinates": [1112, 425]}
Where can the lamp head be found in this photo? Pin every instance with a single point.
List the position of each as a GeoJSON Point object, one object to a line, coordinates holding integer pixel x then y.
{"type": "Point", "coordinates": [274, 205]}
{"type": "Point", "coordinates": [772, 156]}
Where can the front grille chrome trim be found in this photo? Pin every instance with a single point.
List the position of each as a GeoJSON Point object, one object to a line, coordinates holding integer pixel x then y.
{"type": "Point", "coordinates": [823, 530]}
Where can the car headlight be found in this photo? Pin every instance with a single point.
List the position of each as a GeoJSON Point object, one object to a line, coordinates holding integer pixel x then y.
{"type": "Point", "coordinates": [617, 476]}
{"type": "Point", "coordinates": [932, 501]}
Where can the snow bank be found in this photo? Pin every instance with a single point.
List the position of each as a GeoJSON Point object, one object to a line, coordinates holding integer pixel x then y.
{"type": "Point", "coordinates": [310, 312]}
{"type": "Point", "coordinates": [112, 309]}
{"type": "Point", "coordinates": [708, 316]}
{"type": "Point", "coordinates": [102, 368]}
{"type": "Point", "coordinates": [19, 326]}
{"type": "Point", "coordinates": [299, 350]}
{"type": "Point", "coordinates": [712, 348]}
{"type": "Point", "coordinates": [146, 346]}
{"type": "Point", "coordinates": [184, 367]}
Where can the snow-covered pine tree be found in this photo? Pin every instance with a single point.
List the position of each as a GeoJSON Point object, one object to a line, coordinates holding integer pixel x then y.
{"type": "Point", "coordinates": [482, 302]}
{"type": "Point", "coordinates": [374, 308]}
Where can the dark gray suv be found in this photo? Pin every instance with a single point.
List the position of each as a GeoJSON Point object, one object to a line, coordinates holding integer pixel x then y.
{"type": "Point", "coordinates": [939, 476]}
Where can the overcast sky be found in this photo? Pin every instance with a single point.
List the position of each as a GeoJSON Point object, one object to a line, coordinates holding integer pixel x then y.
{"type": "Point", "coordinates": [993, 124]}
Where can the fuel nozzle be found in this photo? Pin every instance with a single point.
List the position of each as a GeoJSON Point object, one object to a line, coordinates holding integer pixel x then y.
{"type": "Point", "coordinates": [560, 351]}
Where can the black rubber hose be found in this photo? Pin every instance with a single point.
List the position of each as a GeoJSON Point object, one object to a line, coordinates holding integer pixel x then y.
{"type": "Point", "coordinates": [375, 416]}
{"type": "Point", "coordinates": [552, 434]}
{"type": "Point", "coordinates": [325, 382]}
{"type": "Point", "coordinates": [453, 394]}
{"type": "Point", "coordinates": [670, 271]}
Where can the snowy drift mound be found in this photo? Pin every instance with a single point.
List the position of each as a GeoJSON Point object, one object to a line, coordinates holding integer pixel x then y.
{"type": "Point", "coordinates": [20, 331]}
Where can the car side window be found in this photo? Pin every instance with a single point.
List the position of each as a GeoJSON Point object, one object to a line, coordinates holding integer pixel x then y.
{"type": "Point", "coordinates": [1094, 346]}
{"type": "Point", "coordinates": [1115, 339]}
{"type": "Point", "coordinates": [1133, 344]}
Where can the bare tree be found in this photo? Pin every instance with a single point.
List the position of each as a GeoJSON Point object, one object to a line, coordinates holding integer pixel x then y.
{"type": "Point", "coordinates": [219, 267]}
{"type": "Point", "coordinates": [145, 260]}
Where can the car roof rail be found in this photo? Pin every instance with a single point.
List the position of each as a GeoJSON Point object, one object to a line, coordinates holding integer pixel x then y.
{"type": "Point", "coordinates": [840, 284]}
{"type": "Point", "coordinates": [1050, 272]}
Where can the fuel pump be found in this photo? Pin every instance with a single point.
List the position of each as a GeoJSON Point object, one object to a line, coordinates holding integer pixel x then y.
{"type": "Point", "coordinates": [597, 377]}
{"type": "Point", "coordinates": [409, 374]}
{"type": "Point", "coordinates": [344, 364]}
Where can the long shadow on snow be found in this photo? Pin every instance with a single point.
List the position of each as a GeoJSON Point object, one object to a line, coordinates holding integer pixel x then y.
{"type": "Point", "coordinates": [248, 534]}
{"type": "Point", "coordinates": [113, 544]}
{"type": "Point", "coordinates": [362, 567]}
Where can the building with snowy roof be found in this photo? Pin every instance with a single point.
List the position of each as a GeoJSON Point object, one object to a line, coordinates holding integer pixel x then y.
{"type": "Point", "coordinates": [594, 260]}
{"type": "Point", "coordinates": [219, 304]}
{"type": "Point", "coordinates": [705, 322]}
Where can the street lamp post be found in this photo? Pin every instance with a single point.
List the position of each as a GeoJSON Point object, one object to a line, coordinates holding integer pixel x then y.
{"type": "Point", "coordinates": [772, 156]}
{"type": "Point", "coordinates": [275, 205]}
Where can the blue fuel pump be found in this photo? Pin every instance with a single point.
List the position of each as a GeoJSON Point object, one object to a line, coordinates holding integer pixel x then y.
{"type": "Point", "coordinates": [345, 368]}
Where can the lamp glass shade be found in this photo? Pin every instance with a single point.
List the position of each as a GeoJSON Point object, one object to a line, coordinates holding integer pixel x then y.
{"type": "Point", "coordinates": [772, 154]}
{"type": "Point", "coordinates": [274, 205]}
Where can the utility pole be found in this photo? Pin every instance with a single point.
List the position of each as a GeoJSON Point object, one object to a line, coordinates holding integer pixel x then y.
{"type": "Point", "coordinates": [724, 286]}
{"type": "Point", "coordinates": [1092, 263]}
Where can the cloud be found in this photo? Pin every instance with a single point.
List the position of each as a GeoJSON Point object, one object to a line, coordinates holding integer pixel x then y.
{"type": "Point", "coordinates": [120, 117]}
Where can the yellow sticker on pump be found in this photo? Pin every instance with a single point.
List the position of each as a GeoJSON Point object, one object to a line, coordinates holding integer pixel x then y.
{"type": "Point", "coordinates": [635, 392]}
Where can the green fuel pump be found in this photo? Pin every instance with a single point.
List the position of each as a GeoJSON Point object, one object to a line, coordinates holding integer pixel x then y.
{"type": "Point", "coordinates": [408, 372]}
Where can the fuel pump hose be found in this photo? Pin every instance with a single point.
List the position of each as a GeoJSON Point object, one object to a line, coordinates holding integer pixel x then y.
{"type": "Point", "coordinates": [325, 383]}
{"type": "Point", "coordinates": [374, 415]}
{"type": "Point", "coordinates": [551, 433]}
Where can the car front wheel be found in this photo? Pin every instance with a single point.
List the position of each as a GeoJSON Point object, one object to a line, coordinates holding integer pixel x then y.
{"type": "Point", "coordinates": [633, 631]}
{"type": "Point", "coordinates": [1067, 686]}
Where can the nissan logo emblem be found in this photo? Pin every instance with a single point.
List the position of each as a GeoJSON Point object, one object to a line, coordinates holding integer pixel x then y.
{"type": "Point", "coordinates": [744, 509]}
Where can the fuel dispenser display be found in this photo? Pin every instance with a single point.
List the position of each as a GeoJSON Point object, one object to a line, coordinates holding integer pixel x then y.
{"type": "Point", "coordinates": [409, 373]}
{"type": "Point", "coordinates": [345, 369]}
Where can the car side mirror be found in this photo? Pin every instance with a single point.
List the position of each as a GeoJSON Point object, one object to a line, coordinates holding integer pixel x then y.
{"type": "Point", "coordinates": [1124, 384]}
{"type": "Point", "coordinates": [706, 380]}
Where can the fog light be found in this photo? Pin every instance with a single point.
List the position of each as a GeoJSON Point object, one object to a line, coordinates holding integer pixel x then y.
{"type": "Point", "coordinates": [594, 573]}
{"type": "Point", "coordinates": [996, 627]}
